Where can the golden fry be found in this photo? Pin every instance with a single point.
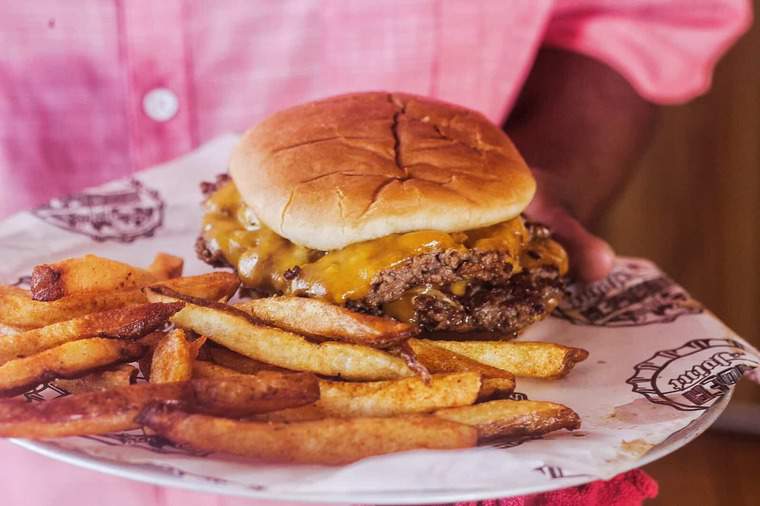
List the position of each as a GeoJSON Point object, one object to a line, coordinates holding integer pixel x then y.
{"type": "Point", "coordinates": [313, 317]}
{"type": "Point", "coordinates": [235, 330]}
{"type": "Point", "coordinates": [17, 309]}
{"type": "Point", "coordinates": [172, 360]}
{"type": "Point", "coordinates": [513, 419]}
{"type": "Point", "coordinates": [331, 441]}
{"type": "Point", "coordinates": [7, 330]}
{"type": "Point", "coordinates": [209, 370]}
{"type": "Point", "coordinates": [121, 376]}
{"type": "Point", "coordinates": [116, 409]}
{"type": "Point", "coordinates": [166, 266]}
{"type": "Point", "coordinates": [496, 388]}
{"type": "Point", "coordinates": [196, 346]}
{"type": "Point", "coordinates": [69, 360]}
{"type": "Point", "coordinates": [122, 323]}
{"type": "Point", "coordinates": [496, 382]}
{"type": "Point", "coordinates": [521, 358]}
{"type": "Point", "coordinates": [385, 398]}
{"type": "Point", "coordinates": [89, 273]}
{"type": "Point", "coordinates": [238, 362]}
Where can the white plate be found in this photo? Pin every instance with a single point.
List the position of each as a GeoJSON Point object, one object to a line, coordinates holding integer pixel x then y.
{"type": "Point", "coordinates": [636, 392]}
{"type": "Point", "coordinates": [158, 476]}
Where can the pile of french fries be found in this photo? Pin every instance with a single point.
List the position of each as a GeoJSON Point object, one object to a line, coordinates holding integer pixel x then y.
{"type": "Point", "coordinates": [280, 379]}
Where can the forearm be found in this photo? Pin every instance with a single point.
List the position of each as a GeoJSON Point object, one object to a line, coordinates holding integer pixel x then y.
{"type": "Point", "coordinates": [583, 127]}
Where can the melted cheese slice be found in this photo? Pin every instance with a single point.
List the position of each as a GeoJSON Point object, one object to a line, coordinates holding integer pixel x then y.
{"type": "Point", "coordinates": [262, 257]}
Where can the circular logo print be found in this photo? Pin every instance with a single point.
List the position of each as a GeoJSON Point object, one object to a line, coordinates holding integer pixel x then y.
{"type": "Point", "coordinates": [635, 293]}
{"type": "Point", "coordinates": [124, 212]}
{"type": "Point", "coordinates": [693, 376]}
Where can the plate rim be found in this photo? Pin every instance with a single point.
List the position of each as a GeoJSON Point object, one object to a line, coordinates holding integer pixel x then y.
{"type": "Point", "coordinates": [145, 473]}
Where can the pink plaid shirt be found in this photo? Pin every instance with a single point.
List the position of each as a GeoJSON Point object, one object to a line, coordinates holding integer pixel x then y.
{"type": "Point", "coordinates": [94, 90]}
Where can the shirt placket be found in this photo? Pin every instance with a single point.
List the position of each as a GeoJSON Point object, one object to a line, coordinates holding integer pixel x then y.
{"type": "Point", "coordinates": [153, 47]}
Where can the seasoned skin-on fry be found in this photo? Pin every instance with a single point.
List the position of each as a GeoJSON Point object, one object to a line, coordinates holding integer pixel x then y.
{"type": "Point", "coordinates": [196, 346]}
{"type": "Point", "coordinates": [378, 398]}
{"type": "Point", "coordinates": [210, 286]}
{"type": "Point", "coordinates": [172, 359]}
{"type": "Point", "coordinates": [166, 266]}
{"type": "Point", "coordinates": [496, 382]}
{"type": "Point", "coordinates": [496, 388]}
{"type": "Point", "coordinates": [385, 398]}
{"type": "Point", "coordinates": [238, 362]}
{"type": "Point", "coordinates": [121, 376]}
{"type": "Point", "coordinates": [314, 317]}
{"type": "Point", "coordinates": [116, 409]}
{"type": "Point", "coordinates": [88, 273]}
{"type": "Point", "coordinates": [209, 370]}
{"type": "Point", "coordinates": [128, 322]}
{"type": "Point", "coordinates": [504, 419]}
{"type": "Point", "coordinates": [17, 309]}
{"type": "Point", "coordinates": [7, 330]}
{"type": "Point", "coordinates": [438, 359]}
{"type": "Point", "coordinates": [69, 360]}
{"type": "Point", "coordinates": [521, 358]}
{"type": "Point", "coordinates": [329, 441]}
{"type": "Point", "coordinates": [239, 332]}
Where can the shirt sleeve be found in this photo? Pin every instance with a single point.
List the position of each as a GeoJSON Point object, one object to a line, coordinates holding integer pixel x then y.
{"type": "Point", "coordinates": [666, 49]}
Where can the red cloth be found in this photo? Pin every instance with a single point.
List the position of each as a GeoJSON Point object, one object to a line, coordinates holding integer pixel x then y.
{"type": "Point", "coordinates": [627, 489]}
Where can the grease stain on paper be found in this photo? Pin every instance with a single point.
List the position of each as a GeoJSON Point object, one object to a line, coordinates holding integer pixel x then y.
{"type": "Point", "coordinates": [642, 411]}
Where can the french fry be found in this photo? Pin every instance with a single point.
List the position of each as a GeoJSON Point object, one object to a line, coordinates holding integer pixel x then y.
{"type": "Point", "coordinates": [116, 409]}
{"type": "Point", "coordinates": [496, 388]}
{"type": "Point", "coordinates": [68, 360]}
{"type": "Point", "coordinates": [166, 266]}
{"type": "Point", "coordinates": [121, 376]}
{"type": "Point", "coordinates": [238, 362]}
{"type": "Point", "coordinates": [121, 323]}
{"type": "Point", "coordinates": [521, 358]}
{"type": "Point", "coordinates": [209, 370]}
{"type": "Point", "coordinates": [504, 419]}
{"type": "Point", "coordinates": [385, 398]}
{"type": "Point", "coordinates": [313, 317]}
{"type": "Point", "coordinates": [196, 346]}
{"type": "Point", "coordinates": [331, 441]}
{"type": "Point", "coordinates": [496, 382]}
{"type": "Point", "coordinates": [379, 398]}
{"type": "Point", "coordinates": [89, 273]}
{"type": "Point", "coordinates": [211, 286]}
{"type": "Point", "coordinates": [17, 309]}
{"type": "Point", "coordinates": [7, 330]}
{"type": "Point", "coordinates": [172, 359]}
{"type": "Point", "coordinates": [237, 331]}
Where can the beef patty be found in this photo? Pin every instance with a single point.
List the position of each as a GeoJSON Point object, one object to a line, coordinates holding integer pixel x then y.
{"type": "Point", "coordinates": [494, 299]}
{"type": "Point", "coordinates": [490, 296]}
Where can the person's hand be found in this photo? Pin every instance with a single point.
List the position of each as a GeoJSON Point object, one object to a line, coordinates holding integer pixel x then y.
{"type": "Point", "coordinates": [591, 258]}
{"type": "Point", "coordinates": [582, 128]}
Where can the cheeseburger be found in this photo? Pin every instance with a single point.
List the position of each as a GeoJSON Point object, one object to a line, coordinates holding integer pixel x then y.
{"type": "Point", "coordinates": [389, 204]}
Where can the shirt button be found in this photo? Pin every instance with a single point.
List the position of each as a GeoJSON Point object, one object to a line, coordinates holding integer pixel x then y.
{"type": "Point", "coordinates": [160, 104]}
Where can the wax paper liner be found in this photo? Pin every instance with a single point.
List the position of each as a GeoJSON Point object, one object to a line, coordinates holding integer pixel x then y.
{"type": "Point", "coordinates": [658, 359]}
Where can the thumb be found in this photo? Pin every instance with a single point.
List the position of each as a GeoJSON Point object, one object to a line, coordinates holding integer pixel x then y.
{"type": "Point", "coordinates": [591, 258]}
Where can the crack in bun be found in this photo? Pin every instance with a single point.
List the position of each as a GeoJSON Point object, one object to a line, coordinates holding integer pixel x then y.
{"type": "Point", "coordinates": [356, 167]}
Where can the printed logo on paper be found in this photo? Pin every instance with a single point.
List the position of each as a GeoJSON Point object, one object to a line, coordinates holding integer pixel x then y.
{"type": "Point", "coordinates": [124, 212]}
{"type": "Point", "coordinates": [634, 294]}
{"type": "Point", "coordinates": [556, 472]}
{"type": "Point", "coordinates": [694, 376]}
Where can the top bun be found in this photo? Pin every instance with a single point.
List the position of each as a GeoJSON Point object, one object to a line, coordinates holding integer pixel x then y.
{"type": "Point", "coordinates": [350, 168]}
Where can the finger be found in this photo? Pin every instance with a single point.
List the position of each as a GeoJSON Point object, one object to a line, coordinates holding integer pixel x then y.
{"type": "Point", "coordinates": [591, 258]}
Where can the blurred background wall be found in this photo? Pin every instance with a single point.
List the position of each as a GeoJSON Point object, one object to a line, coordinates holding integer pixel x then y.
{"type": "Point", "coordinates": [694, 204]}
